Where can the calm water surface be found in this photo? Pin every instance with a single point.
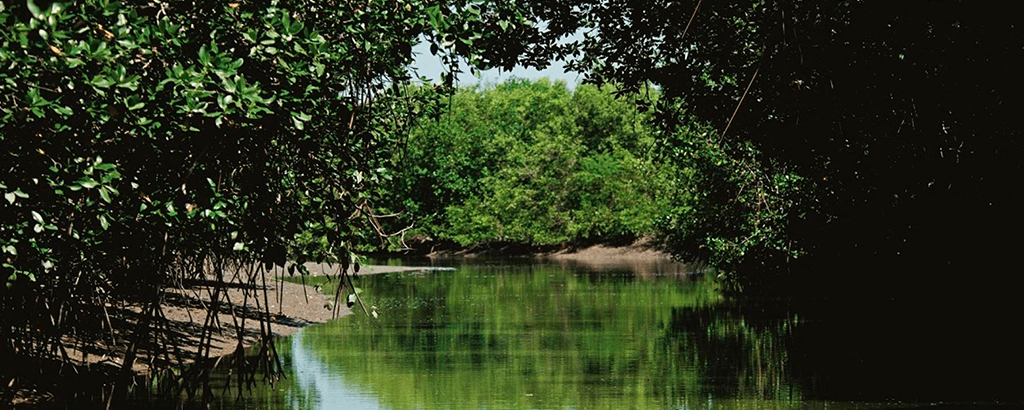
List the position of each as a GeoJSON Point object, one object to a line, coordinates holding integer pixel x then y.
{"type": "Point", "coordinates": [504, 335]}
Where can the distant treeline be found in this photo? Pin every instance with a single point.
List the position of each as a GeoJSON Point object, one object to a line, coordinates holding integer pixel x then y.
{"type": "Point", "coordinates": [531, 162]}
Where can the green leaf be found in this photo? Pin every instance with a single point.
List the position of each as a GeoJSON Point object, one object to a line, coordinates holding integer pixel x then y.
{"type": "Point", "coordinates": [102, 81]}
{"type": "Point", "coordinates": [34, 9]}
{"type": "Point", "coordinates": [103, 222]}
{"type": "Point", "coordinates": [204, 55]}
{"type": "Point", "coordinates": [62, 110]}
{"type": "Point", "coordinates": [105, 195]}
{"type": "Point", "coordinates": [238, 246]}
{"type": "Point", "coordinates": [229, 84]}
{"type": "Point", "coordinates": [434, 14]}
{"type": "Point", "coordinates": [37, 217]}
{"type": "Point", "coordinates": [9, 197]}
{"type": "Point", "coordinates": [87, 182]}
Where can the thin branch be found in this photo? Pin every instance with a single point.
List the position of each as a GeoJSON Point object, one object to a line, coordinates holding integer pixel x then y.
{"type": "Point", "coordinates": [752, 78]}
{"type": "Point", "coordinates": [692, 16]}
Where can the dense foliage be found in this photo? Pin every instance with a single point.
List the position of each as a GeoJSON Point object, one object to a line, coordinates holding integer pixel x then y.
{"type": "Point", "coordinates": [145, 144]}
{"type": "Point", "coordinates": [532, 162]}
{"type": "Point", "coordinates": [879, 135]}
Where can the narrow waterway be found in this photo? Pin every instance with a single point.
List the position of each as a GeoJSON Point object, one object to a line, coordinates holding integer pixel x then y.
{"type": "Point", "coordinates": [527, 335]}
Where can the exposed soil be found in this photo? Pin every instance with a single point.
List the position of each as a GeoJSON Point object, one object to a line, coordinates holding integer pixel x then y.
{"type": "Point", "coordinates": [176, 333]}
{"type": "Point", "coordinates": [183, 314]}
{"type": "Point", "coordinates": [641, 255]}
{"type": "Point", "coordinates": [620, 248]}
{"type": "Point", "coordinates": [292, 306]}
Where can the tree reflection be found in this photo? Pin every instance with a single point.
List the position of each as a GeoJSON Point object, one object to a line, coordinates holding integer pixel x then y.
{"type": "Point", "coordinates": [551, 337]}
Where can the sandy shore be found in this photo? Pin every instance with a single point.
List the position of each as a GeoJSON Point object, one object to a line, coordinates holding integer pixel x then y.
{"type": "Point", "coordinates": [184, 324]}
{"type": "Point", "coordinates": [642, 256]}
{"type": "Point", "coordinates": [177, 333]}
{"type": "Point", "coordinates": [292, 306]}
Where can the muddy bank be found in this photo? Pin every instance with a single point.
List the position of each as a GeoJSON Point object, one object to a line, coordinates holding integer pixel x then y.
{"type": "Point", "coordinates": [176, 335]}
{"type": "Point", "coordinates": [292, 306]}
{"type": "Point", "coordinates": [622, 248]}
{"type": "Point", "coordinates": [641, 255]}
{"type": "Point", "coordinates": [178, 329]}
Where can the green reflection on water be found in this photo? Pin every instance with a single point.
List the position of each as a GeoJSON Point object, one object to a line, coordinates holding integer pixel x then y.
{"type": "Point", "coordinates": [539, 336]}
{"type": "Point", "coordinates": [569, 337]}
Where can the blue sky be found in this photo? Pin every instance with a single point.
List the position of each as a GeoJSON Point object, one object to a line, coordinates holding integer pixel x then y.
{"type": "Point", "coordinates": [430, 66]}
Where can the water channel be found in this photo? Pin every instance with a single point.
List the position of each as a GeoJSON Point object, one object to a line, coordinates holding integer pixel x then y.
{"type": "Point", "coordinates": [529, 335]}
